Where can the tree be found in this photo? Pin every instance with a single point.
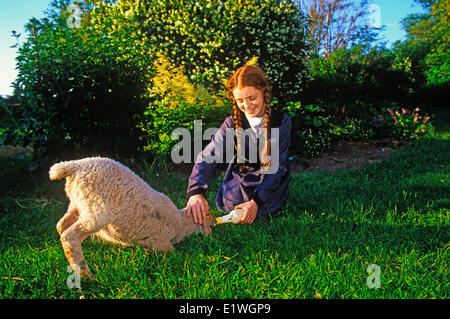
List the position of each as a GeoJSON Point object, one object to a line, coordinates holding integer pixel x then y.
{"type": "Point", "coordinates": [336, 24]}
{"type": "Point", "coordinates": [438, 60]}
{"type": "Point", "coordinates": [428, 34]}
{"type": "Point", "coordinates": [80, 87]}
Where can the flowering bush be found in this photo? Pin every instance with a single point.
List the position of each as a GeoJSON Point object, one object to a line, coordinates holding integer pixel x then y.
{"type": "Point", "coordinates": [401, 124]}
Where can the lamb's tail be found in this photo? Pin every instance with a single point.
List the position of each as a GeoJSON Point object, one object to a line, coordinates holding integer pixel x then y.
{"type": "Point", "coordinates": [61, 170]}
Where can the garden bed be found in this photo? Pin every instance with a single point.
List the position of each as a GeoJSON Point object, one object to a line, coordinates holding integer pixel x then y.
{"type": "Point", "coordinates": [349, 155]}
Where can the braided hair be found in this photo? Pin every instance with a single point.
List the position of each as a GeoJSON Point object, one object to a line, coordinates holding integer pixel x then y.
{"type": "Point", "coordinates": [251, 76]}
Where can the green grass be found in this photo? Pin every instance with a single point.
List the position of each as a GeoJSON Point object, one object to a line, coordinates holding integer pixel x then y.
{"type": "Point", "coordinates": [394, 214]}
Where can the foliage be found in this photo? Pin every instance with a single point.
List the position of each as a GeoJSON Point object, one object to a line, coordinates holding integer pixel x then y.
{"type": "Point", "coordinates": [361, 81]}
{"type": "Point", "coordinates": [175, 103]}
{"type": "Point", "coordinates": [352, 129]}
{"type": "Point", "coordinates": [85, 83]}
{"type": "Point", "coordinates": [350, 81]}
{"type": "Point", "coordinates": [79, 88]}
{"type": "Point", "coordinates": [124, 74]}
{"type": "Point", "coordinates": [170, 85]}
{"type": "Point", "coordinates": [412, 56]}
{"type": "Point", "coordinates": [431, 31]}
{"type": "Point", "coordinates": [160, 121]}
{"type": "Point", "coordinates": [6, 120]}
{"type": "Point", "coordinates": [438, 60]}
{"type": "Point", "coordinates": [311, 129]}
{"type": "Point", "coordinates": [211, 38]}
{"type": "Point", "coordinates": [253, 61]}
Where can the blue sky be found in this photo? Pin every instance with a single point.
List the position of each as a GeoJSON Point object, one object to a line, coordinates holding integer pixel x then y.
{"type": "Point", "coordinates": [14, 14]}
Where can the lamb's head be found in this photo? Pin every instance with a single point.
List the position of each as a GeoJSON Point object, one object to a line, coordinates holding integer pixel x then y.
{"type": "Point", "coordinates": [210, 221]}
{"type": "Point", "coordinates": [204, 228]}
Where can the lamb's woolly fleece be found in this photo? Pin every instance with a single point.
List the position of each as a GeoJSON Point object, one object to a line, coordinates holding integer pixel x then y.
{"type": "Point", "coordinates": [111, 202]}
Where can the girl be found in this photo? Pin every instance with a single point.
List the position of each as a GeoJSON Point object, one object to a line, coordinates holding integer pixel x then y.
{"type": "Point", "coordinates": [248, 184]}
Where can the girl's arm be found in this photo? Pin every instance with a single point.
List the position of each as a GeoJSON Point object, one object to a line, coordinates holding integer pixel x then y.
{"type": "Point", "coordinates": [204, 167]}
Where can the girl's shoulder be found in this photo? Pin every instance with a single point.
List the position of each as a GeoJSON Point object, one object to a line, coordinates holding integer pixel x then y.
{"type": "Point", "coordinates": [227, 123]}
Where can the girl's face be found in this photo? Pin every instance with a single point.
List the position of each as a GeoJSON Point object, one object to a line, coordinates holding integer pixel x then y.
{"type": "Point", "coordinates": [250, 101]}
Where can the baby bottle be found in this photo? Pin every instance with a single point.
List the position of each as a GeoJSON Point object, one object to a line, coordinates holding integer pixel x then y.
{"type": "Point", "coordinates": [233, 217]}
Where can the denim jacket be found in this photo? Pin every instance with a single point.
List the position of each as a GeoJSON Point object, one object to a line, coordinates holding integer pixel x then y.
{"type": "Point", "coordinates": [269, 191]}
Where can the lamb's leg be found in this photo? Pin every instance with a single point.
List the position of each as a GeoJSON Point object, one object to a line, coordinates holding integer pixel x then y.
{"type": "Point", "coordinates": [68, 219]}
{"type": "Point", "coordinates": [156, 245]}
{"type": "Point", "coordinates": [71, 240]}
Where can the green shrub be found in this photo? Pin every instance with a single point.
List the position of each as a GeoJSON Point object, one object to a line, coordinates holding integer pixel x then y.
{"type": "Point", "coordinates": [211, 38]}
{"type": "Point", "coordinates": [310, 129]}
{"type": "Point", "coordinates": [349, 81]}
{"type": "Point", "coordinates": [352, 129]}
{"type": "Point", "coordinates": [176, 103]}
{"type": "Point", "coordinates": [80, 89]}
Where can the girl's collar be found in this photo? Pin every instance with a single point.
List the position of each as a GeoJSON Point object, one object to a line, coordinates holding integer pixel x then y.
{"type": "Point", "coordinates": [276, 118]}
{"type": "Point", "coordinates": [255, 121]}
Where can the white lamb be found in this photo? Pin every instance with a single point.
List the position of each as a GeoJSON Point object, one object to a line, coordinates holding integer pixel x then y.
{"type": "Point", "coordinates": [111, 202]}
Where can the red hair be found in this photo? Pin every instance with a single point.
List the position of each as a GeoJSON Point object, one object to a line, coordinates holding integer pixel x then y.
{"type": "Point", "coordinates": [254, 76]}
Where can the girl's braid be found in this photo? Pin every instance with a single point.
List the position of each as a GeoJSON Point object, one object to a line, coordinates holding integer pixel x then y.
{"type": "Point", "coordinates": [266, 151]}
{"type": "Point", "coordinates": [237, 125]}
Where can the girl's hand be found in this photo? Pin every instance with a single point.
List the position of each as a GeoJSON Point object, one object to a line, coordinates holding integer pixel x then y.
{"type": "Point", "coordinates": [198, 206]}
{"type": "Point", "coordinates": [250, 210]}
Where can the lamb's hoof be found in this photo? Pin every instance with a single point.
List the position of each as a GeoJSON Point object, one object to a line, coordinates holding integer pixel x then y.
{"type": "Point", "coordinates": [88, 275]}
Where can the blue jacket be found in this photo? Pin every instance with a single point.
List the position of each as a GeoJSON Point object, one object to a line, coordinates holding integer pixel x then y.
{"type": "Point", "coordinates": [269, 191]}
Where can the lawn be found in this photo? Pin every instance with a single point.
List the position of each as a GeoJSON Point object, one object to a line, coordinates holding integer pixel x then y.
{"type": "Point", "coordinates": [394, 214]}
